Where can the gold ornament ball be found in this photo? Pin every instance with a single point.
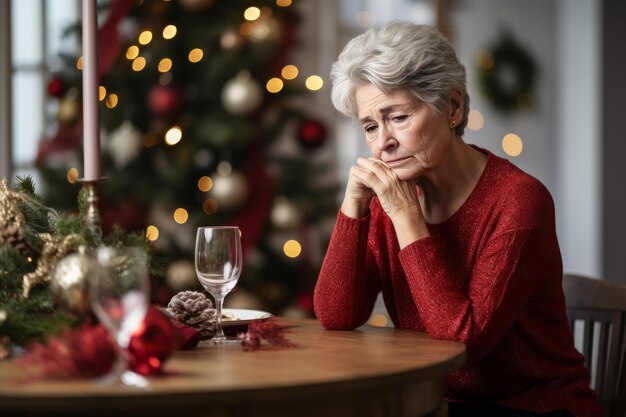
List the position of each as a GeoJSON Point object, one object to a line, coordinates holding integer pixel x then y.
{"type": "Point", "coordinates": [230, 191]}
{"type": "Point", "coordinates": [285, 214]}
{"type": "Point", "coordinates": [69, 111]}
{"type": "Point", "coordinates": [181, 276]}
{"type": "Point", "coordinates": [242, 95]}
{"type": "Point", "coordinates": [69, 283]}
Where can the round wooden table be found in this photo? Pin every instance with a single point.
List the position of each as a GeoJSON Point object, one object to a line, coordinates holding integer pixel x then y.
{"type": "Point", "coordinates": [366, 372]}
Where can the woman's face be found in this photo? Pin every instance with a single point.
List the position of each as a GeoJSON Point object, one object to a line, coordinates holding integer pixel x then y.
{"type": "Point", "coordinates": [403, 131]}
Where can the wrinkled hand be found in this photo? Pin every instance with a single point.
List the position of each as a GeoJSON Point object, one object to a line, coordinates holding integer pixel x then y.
{"type": "Point", "coordinates": [373, 177]}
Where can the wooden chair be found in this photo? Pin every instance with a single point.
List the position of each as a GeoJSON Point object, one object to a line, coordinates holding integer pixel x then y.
{"type": "Point", "coordinates": [601, 307]}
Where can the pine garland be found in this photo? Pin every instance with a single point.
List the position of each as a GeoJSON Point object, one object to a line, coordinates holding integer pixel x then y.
{"type": "Point", "coordinates": [25, 319]}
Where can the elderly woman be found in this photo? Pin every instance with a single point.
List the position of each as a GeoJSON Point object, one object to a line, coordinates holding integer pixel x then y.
{"type": "Point", "coordinates": [461, 243]}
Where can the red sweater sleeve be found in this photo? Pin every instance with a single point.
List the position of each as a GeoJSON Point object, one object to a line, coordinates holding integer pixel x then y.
{"type": "Point", "coordinates": [501, 281]}
{"type": "Point", "coordinates": [348, 282]}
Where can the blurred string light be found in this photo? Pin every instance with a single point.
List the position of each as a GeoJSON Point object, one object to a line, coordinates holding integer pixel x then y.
{"type": "Point", "coordinates": [165, 78]}
{"type": "Point", "coordinates": [173, 135]}
{"type": "Point", "coordinates": [289, 72]}
{"type": "Point", "coordinates": [252, 13]}
{"type": "Point", "coordinates": [102, 92]}
{"type": "Point", "coordinates": [378, 320]}
{"type": "Point", "coordinates": [205, 184]}
{"type": "Point", "coordinates": [292, 248]}
{"type": "Point", "coordinates": [475, 120]}
{"type": "Point", "coordinates": [209, 206]}
{"type": "Point", "coordinates": [195, 55]}
{"type": "Point", "coordinates": [169, 31]}
{"type": "Point", "coordinates": [283, 3]}
{"type": "Point", "coordinates": [314, 82]}
{"type": "Point", "coordinates": [152, 233]}
{"type": "Point", "coordinates": [79, 63]}
{"type": "Point", "coordinates": [72, 175]}
{"type": "Point", "coordinates": [132, 52]}
{"type": "Point", "coordinates": [512, 144]}
{"type": "Point", "coordinates": [111, 100]}
{"type": "Point", "coordinates": [145, 37]}
{"type": "Point", "coordinates": [181, 215]}
{"type": "Point", "coordinates": [274, 85]}
{"type": "Point", "coordinates": [139, 63]}
{"type": "Point", "coordinates": [165, 65]}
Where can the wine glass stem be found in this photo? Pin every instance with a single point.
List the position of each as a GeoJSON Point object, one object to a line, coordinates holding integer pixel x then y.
{"type": "Point", "coordinates": [219, 331]}
{"type": "Point", "coordinates": [121, 362]}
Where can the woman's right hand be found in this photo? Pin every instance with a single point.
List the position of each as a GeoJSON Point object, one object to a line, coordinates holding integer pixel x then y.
{"type": "Point", "coordinates": [358, 197]}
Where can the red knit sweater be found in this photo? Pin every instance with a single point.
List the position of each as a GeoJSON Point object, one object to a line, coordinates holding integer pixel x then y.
{"type": "Point", "coordinates": [490, 277]}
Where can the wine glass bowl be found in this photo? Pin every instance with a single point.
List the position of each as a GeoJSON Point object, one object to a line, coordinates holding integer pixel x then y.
{"type": "Point", "coordinates": [119, 294]}
{"type": "Point", "coordinates": [218, 264]}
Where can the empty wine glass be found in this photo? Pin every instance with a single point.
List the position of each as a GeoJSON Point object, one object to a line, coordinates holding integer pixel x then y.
{"type": "Point", "coordinates": [119, 295]}
{"type": "Point", "coordinates": [218, 265]}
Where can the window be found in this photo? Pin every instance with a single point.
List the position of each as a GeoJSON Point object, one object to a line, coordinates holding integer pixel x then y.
{"type": "Point", "coordinates": [37, 38]}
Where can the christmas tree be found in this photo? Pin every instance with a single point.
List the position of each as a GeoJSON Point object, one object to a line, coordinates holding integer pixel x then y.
{"type": "Point", "coordinates": [194, 96]}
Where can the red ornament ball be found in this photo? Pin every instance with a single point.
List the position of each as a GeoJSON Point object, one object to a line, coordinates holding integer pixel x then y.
{"type": "Point", "coordinates": [57, 87]}
{"type": "Point", "coordinates": [311, 134]}
{"type": "Point", "coordinates": [166, 101]}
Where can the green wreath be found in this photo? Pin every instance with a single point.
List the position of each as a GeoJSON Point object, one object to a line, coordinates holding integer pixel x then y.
{"type": "Point", "coordinates": [507, 76]}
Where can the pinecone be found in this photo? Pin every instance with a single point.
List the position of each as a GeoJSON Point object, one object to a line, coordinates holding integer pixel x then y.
{"type": "Point", "coordinates": [193, 309]}
{"type": "Point", "coordinates": [13, 236]}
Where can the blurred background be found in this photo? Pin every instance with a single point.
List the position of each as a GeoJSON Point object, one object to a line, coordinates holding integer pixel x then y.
{"type": "Point", "coordinates": [218, 112]}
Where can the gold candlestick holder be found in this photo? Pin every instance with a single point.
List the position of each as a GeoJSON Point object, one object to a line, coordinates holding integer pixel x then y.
{"type": "Point", "coordinates": [93, 221]}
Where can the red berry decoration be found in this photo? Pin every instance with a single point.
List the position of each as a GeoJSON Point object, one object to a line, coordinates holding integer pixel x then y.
{"type": "Point", "coordinates": [311, 134]}
{"type": "Point", "coordinates": [57, 87]}
{"type": "Point", "coordinates": [151, 346]}
{"type": "Point", "coordinates": [166, 101]}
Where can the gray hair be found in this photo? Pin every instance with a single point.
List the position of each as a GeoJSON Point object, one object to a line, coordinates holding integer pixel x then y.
{"type": "Point", "coordinates": [400, 55]}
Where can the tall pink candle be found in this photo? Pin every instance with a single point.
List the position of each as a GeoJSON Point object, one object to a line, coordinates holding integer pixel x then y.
{"type": "Point", "coordinates": [91, 117]}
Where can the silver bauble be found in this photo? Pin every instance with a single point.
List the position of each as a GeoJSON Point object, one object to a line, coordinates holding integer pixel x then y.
{"type": "Point", "coordinates": [285, 214]}
{"type": "Point", "coordinates": [242, 95]}
{"type": "Point", "coordinates": [230, 191]}
{"type": "Point", "coordinates": [181, 276]}
{"type": "Point", "coordinates": [69, 283]}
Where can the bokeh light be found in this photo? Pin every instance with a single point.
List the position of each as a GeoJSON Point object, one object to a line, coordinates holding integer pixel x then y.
{"type": "Point", "coordinates": [169, 31]}
{"type": "Point", "coordinates": [152, 233]}
{"type": "Point", "coordinates": [378, 320]}
{"type": "Point", "coordinates": [132, 52]}
{"type": "Point", "coordinates": [173, 135]}
{"type": "Point", "coordinates": [484, 59]}
{"type": "Point", "coordinates": [314, 82]}
{"type": "Point", "coordinates": [289, 72]}
{"type": "Point", "coordinates": [72, 175]}
{"type": "Point", "coordinates": [292, 248]}
{"type": "Point", "coordinates": [274, 85]}
{"type": "Point", "coordinates": [252, 13]}
{"type": "Point", "coordinates": [111, 100]}
{"type": "Point", "coordinates": [205, 184]}
{"type": "Point", "coordinates": [283, 3]}
{"type": "Point", "coordinates": [475, 120]}
{"type": "Point", "coordinates": [145, 37]}
{"type": "Point", "coordinates": [165, 65]}
{"type": "Point", "coordinates": [209, 206]}
{"type": "Point", "coordinates": [195, 55]}
{"type": "Point", "coordinates": [79, 63]}
{"type": "Point", "coordinates": [181, 215]}
{"type": "Point", "coordinates": [512, 144]}
{"type": "Point", "coordinates": [102, 92]}
{"type": "Point", "coordinates": [139, 63]}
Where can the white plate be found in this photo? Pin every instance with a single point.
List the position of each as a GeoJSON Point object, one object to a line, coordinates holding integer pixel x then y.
{"type": "Point", "coordinates": [243, 316]}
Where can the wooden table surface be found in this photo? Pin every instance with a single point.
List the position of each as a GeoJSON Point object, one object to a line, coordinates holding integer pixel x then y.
{"type": "Point", "coordinates": [366, 372]}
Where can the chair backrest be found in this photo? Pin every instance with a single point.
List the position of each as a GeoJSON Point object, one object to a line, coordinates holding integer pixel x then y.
{"type": "Point", "coordinates": [600, 307]}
